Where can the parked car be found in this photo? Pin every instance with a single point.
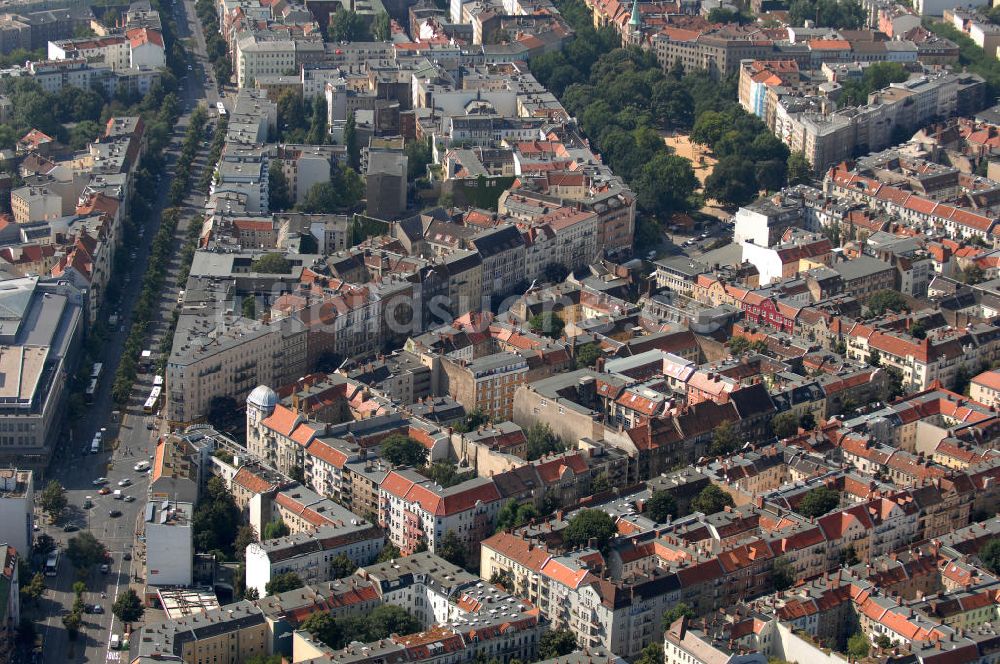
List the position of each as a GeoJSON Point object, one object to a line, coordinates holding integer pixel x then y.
{"type": "Point", "coordinates": [114, 514]}
{"type": "Point", "coordinates": [125, 482]}
{"type": "Point", "coordinates": [129, 499]}
{"type": "Point", "coordinates": [105, 568]}
{"type": "Point", "coordinates": [70, 528]}
{"type": "Point", "coordinates": [99, 481]}
{"type": "Point", "coordinates": [97, 608]}
{"type": "Point", "coordinates": [104, 491]}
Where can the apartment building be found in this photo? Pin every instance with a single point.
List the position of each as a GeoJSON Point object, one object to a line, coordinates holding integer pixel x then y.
{"type": "Point", "coordinates": [985, 388]}
{"type": "Point", "coordinates": [228, 357]}
{"type": "Point", "coordinates": [169, 543]}
{"type": "Point", "coordinates": [17, 500]}
{"type": "Point", "coordinates": [414, 510]}
{"type": "Point", "coordinates": [309, 553]}
{"type": "Point", "coordinates": [486, 383]}
{"type": "Point", "coordinates": [228, 635]}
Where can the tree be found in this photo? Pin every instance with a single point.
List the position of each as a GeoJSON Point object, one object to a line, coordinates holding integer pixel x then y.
{"type": "Point", "coordinates": [401, 450]}
{"type": "Point", "coordinates": [249, 306]}
{"type": "Point", "coordinates": [53, 500]}
{"type": "Point", "coordinates": [712, 499]}
{"type": "Point", "coordinates": [972, 275]}
{"type": "Point", "coordinates": [989, 554]}
{"type": "Point", "coordinates": [556, 643]}
{"type": "Point", "coordinates": [962, 380]}
{"type": "Point", "coordinates": [266, 659]}
{"type": "Point", "coordinates": [251, 594]}
{"type": "Point", "coordinates": [733, 181]}
{"type": "Point", "coordinates": [271, 263]}
{"type": "Point", "coordinates": [849, 557]}
{"type": "Point", "coordinates": [346, 25]}
{"type": "Point", "coordinates": [223, 412]}
{"type": "Point", "coordinates": [542, 441]}
{"type": "Point", "coordinates": [342, 566]}
{"type": "Point", "coordinates": [278, 194]}
{"type": "Point", "coordinates": [216, 520]}
{"type": "Point", "coordinates": [389, 619]}
{"type": "Point", "coordinates": [782, 574]}
{"type": "Point", "coordinates": [785, 424]}
{"type": "Point", "coordinates": [34, 590]}
{"type": "Point", "coordinates": [245, 536]}
{"type": "Point", "coordinates": [588, 524]}
{"type": "Point", "coordinates": [818, 502]}
{"type": "Point", "coordinates": [351, 140]}
{"type": "Point", "coordinates": [388, 552]}
{"type": "Point", "coordinates": [274, 529]}
{"type": "Point", "coordinates": [666, 185]}
{"type": "Point", "coordinates": [322, 198]}
{"type": "Point", "coordinates": [452, 549]}
{"type": "Point", "coordinates": [71, 621]}
{"type": "Point", "coordinates": [661, 506]}
{"type": "Point", "coordinates": [324, 627]}
{"type": "Point", "coordinates": [675, 613]}
{"type": "Point", "coordinates": [44, 545]}
{"type": "Point", "coordinates": [918, 330]}
{"type": "Point", "coordinates": [283, 583]}
{"type": "Point", "coordinates": [381, 27]}
{"type": "Point", "coordinates": [514, 515]}
{"type": "Point", "coordinates": [127, 607]}
{"type": "Point", "coordinates": [291, 115]}
{"type": "Point", "coordinates": [651, 654]}
{"type": "Point", "coordinates": [474, 419]}
{"type": "Point", "coordinates": [445, 473]}
{"type": "Point", "coordinates": [886, 300]}
{"type": "Point", "coordinates": [83, 133]}
{"type": "Point", "coordinates": [547, 324]}
{"type": "Point", "coordinates": [844, 14]}
{"type": "Point", "coordinates": [799, 171]}
{"type": "Point", "coordinates": [724, 440]}
{"type": "Point", "coordinates": [808, 421]}
{"type": "Point", "coordinates": [858, 646]}
{"type": "Point", "coordinates": [84, 551]}
{"type": "Point", "coordinates": [587, 354]}
{"type": "Point", "coordinates": [418, 156]}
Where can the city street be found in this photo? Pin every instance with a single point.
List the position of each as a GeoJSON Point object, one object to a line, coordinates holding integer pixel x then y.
{"type": "Point", "coordinates": [132, 439]}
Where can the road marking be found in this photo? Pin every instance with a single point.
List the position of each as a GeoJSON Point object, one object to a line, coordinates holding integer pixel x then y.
{"type": "Point", "coordinates": [114, 655]}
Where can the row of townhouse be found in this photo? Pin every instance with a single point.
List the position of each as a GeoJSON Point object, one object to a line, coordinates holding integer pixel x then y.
{"type": "Point", "coordinates": [917, 211]}
{"type": "Point", "coordinates": [921, 362]}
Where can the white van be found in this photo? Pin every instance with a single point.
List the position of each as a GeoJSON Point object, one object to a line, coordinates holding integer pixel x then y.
{"type": "Point", "coordinates": [115, 641]}
{"type": "Point", "coordinates": [117, 495]}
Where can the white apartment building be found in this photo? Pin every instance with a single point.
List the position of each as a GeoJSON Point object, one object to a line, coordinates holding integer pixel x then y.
{"type": "Point", "coordinates": [413, 509]}
{"type": "Point", "coordinates": [310, 554]}
{"type": "Point", "coordinates": [112, 51]}
{"type": "Point", "coordinates": [169, 543]}
{"type": "Point", "coordinates": [17, 496]}
{"type": "Point", "coordinates": [257, 57]}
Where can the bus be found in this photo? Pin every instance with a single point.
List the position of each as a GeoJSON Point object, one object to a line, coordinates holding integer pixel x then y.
{"type": "Point", "coordinates": [52, 563]}
{"type": "Point", "coordinates": [91, 391]}
{"type": "Point", "coordinates": [158, 381]}
{"type": "Point", "coordinates": [95, 445]}
{"type": "Point", "coordinates": [153, 400]}
{"type": "Point", "coordinates": [221, 107]}
{"type": "Point", "coordinates": [95, 372]}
